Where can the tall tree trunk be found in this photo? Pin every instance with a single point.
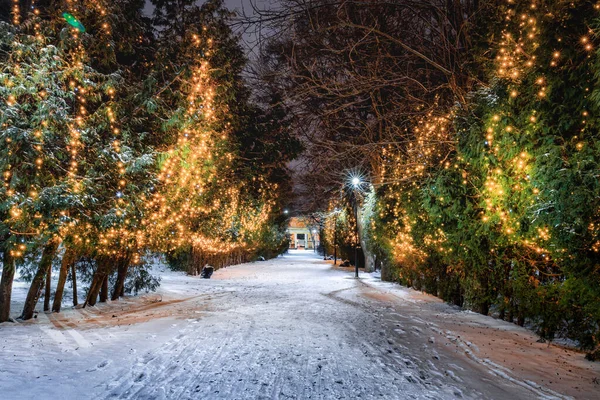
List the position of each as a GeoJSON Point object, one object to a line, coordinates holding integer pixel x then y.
{"type": "Point", "coordinates": [35, 289]}
{"type": "Point", "coordinates": [102, 271]}
{"type": "Point", "coordinates": [48, 288]}
{"type": "Point", "coordinates": [457, 296]}
{"type": "Point", "coordinates": [121, 275]}
{"type": "Point", "coordinates": [8, 274]}
{"type": "Point", "coordinates": [386, 272]}
{"type": "Point", "coordinates": [104, 290]}
{"type": "Point", "coordinates": [66, 262]}
{"type": "Point", "coordinates": [74, 277]}
{"type": "Point", "coordinates": [485, 307]}
{"type": "Point", "coordinates": [92, 295]}
{"type": "Point", "coordinates": [368, 259]}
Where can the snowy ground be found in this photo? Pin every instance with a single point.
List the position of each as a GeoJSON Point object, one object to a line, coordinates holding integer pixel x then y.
{"type": "Point", "coordinates": [289, 328]}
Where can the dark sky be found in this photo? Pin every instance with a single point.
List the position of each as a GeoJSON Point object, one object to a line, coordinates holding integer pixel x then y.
{"type": "Point", "coordinates": [241, 7]}
{"type": "Point", "coordinates": [231, 4]}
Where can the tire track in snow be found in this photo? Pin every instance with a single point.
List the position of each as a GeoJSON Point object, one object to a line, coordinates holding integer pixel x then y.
{"type": "Point", "coordinates": [207, 362]}
{"type": "Point", "coordinates": [57, 333]}
{"type": "Point", "coordinates": [178, 376]}
{"type": "Point", "coordinates": [403, 367]}
{"type": "Point", "coordinates": [133, 384]}
{"type": "Point", "coordinates": [501, 372]}
{"type": "Point", "coordinates": [300, 330]}
{"type": "Point", "coordinates": [469, 350]}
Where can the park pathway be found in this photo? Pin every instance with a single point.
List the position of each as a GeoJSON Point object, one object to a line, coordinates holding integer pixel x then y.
{"type": "Point", "coordinates": [290, 328]}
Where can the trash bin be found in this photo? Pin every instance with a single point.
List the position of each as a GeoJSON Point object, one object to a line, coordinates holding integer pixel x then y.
{"type": "Point", "coordinates": [206, 272]}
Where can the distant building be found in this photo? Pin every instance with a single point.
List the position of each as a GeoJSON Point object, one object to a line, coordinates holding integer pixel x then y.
{"type": "Point", "coordinates": [302, 235]}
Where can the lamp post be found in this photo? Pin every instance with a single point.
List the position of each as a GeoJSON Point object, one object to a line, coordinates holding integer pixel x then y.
{"type": "Point", "coordinates": [356, 182]}
{"type": "Point", "coordinates": [314, 232]}
{"type": "Point", "coordinates": [356, 256]}
{"type": "Point", "coordinates": [285, 212]}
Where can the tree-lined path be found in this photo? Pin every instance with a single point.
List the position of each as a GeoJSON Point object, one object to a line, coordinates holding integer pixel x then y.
{"type": "Point", "coordinates": [293, 327]}
{"type": "Point", "coordinates": [451, 145]}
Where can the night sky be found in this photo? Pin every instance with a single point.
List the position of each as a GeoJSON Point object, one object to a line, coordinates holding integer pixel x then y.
{"type": "Point", "coordinates": [241, 7]}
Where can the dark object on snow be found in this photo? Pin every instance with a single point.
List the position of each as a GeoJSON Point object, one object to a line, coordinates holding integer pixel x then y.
{"type": "Point", "coordinates": [207, 271]}
{"type": "Point", "coordinates": [346, 263]}
{"type": "Point", "coordinates": [260, 258]}
{"type": "Point", "coordinates": [593, 356]}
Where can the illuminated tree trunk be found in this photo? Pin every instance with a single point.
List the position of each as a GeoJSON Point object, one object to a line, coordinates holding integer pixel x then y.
{"type": "Point", "coordinates": [369, 259]}
{"type": "Point", "coordinates": [67, 261]}
{"type": "Point", "coordinates": [104, 290]}
{"type": "Point", "coordinates": [121, 276]}
{"type": "Point", "coordinates": [48, 288]}
{"type": "Point", "coordinates": [102, 271]}
{"type": "Point", "coordinates": [8, 274]}
{"type": "Point", "coordinates": [74, 277]}
{"type": "Point", "coordinates": [386, 271]}
{"type": "Point", "coordinates": [35, 289]}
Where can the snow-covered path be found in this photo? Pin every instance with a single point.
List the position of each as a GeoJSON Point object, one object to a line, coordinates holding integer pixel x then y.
{"type": "Point", "coordinates": [289, 328]}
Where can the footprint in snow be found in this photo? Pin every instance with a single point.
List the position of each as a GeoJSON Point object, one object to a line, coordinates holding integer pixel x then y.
{"type": "Point", "coordinates": [102, 365]}
{"type": "Point", "coordinates": [161, 394]}
{"type": "Point", "coordinates": [140, 377]}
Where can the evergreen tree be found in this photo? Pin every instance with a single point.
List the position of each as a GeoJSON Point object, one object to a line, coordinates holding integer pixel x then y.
{"type": "Point", "coordinates": [37, 111]}
{"type": "Point", "coordinates": [509, 221]}
{"type": "Point", "coordinates": [121, 139]}
{"type": "Point", "coordinates": [219, 182]}
{"type": "Point", "coordinates": [72, 135]}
